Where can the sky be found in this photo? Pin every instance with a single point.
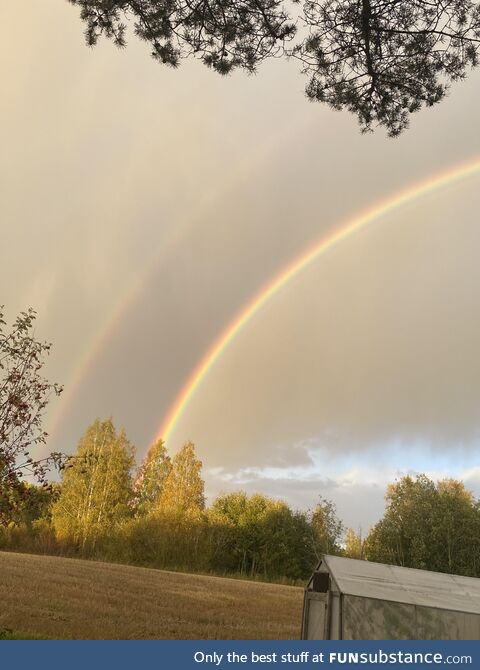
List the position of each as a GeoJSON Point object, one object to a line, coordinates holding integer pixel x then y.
{"type": "Point", "coordinates": [142, 208]}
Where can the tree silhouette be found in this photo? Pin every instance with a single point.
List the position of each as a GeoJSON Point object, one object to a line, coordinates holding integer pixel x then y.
{"type": "Point", "coordinates": [224, 34]}
{"type": "Point", "coordinates": [379, 59]}
{"type": "Point", "coordinates": [384, 59]}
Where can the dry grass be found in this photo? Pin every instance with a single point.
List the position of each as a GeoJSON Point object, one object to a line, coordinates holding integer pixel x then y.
{"type": "Point", "coordinates": [70, 598]}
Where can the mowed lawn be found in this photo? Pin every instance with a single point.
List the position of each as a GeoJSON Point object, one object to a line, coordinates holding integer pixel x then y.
{"type": "Point", "coordinates": [70, 598]}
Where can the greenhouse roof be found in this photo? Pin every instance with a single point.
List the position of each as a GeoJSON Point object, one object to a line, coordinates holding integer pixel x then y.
{"type": "Point", "coordinates": [403, 585]}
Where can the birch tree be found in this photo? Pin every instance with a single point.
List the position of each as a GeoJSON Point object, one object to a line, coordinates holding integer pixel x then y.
{"type": "Point", "coordinates": [326, 528]}
{"type": "Point", "coordinates": [96, 486]}
{"type": "Point", "coordinates": [151, 478]}
{"type": "Point", "coordinates": [184, 488]}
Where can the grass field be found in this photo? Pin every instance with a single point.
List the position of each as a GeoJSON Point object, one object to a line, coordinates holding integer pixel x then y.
{"type": "Point", "coordinates": [69, 598]}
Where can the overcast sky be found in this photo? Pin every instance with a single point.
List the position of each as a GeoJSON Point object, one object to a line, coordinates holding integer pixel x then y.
{"type": "Point", "coordinates": [141, 208]}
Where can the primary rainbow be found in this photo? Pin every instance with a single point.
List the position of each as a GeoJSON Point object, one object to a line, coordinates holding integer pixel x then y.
{"type": "Point", "coordinates": [299, 264]}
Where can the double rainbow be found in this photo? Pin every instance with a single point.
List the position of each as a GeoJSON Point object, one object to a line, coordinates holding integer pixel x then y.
{"type": "Point", "coordinates": [351, 227]}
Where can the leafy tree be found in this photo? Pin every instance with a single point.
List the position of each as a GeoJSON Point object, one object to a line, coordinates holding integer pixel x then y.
{"type": "Point", "coordinates": [379, 59]}
{"type": "Point", "coordinates": [37, 502]}
{"type": "Point", "coordinates": [354, 545]}
{"type": "Point", "coordinates": [458, 529]}
{"type": "Point", "coordinates": [96, 487]}
{"type": "Point", "coordinates": [151, 477]}
{"type": "Point", "coordinates": [326, 529]}
{"type": "Point", "coordinates": [244, 515]}
{"type": "Point", "coordinates": [286, 550]}
{"type": "Point", "coordinates": [430, 526]}
{"type": "Point", "coordinates": [183, 490]}
{"type": "Point", "coordinates": [24, 396]}
{"type": "Point", "coordinates": [403, 536]}
{"type": "Point", "coordinates": [263, 536]}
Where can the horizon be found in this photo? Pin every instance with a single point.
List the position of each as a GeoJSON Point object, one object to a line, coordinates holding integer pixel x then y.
{"type": "Point", "coordinates": [149, 208]}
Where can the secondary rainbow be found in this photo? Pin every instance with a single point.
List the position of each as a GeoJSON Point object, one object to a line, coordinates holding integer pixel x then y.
{"type": "Point", "coordinates": [351, 227]}
{"type": "Point", "coordinates": [245, 168]}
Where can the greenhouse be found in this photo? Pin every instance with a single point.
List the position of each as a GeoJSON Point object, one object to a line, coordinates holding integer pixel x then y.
{"type": "Point", "coordinates": [349, 599]}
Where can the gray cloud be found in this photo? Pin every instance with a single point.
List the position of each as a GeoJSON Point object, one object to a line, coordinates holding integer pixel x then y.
{"type": "Point", "coordinates": [376, 343]}
{"type": "Point", "coordinates": [359, 505]}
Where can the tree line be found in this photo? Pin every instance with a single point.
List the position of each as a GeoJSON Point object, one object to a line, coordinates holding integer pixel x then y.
{"type": "Point", "coordinates": [156, 515]}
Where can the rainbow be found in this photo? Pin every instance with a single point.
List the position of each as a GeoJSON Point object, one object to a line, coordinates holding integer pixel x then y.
{"type": "Point", "coordinates": [351, 227]}
{"type": "Point", "coordinates": [243, 170]}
